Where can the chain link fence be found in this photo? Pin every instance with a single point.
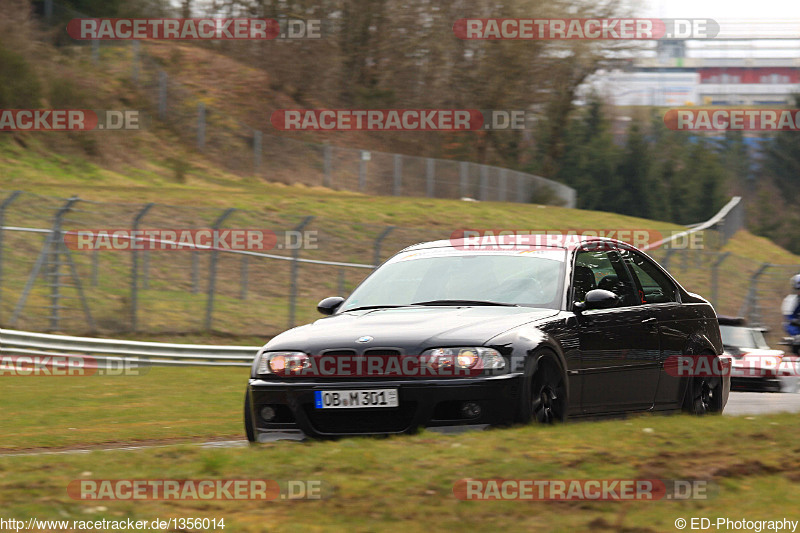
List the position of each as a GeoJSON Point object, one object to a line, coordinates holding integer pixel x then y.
{"type": "Point", "coordinates": [46, 286]}
{"type": "Point", "coordinates": [250, 151]}
{"type": "Point", "coordinates": [247, 149]}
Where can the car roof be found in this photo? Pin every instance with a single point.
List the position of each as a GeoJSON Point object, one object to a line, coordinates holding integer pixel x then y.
{"type": "Point", "coordinates": [567, 242]}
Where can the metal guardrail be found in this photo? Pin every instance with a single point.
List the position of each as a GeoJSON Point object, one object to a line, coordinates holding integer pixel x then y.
{"type": "Point", "coordinates": [694, 228]}
{"type": "Point", "coordinates": [25, 343]}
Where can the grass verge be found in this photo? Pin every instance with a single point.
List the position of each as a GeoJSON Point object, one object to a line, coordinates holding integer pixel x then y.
{"type": "Point", "coordinates": [407, 482]}
{"type": "Point", "coordinates": [166, 403]}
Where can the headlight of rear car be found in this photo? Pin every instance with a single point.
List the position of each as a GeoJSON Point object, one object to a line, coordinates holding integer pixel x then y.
{"type": "Point", "coordinates": [478, 358]}
{"type": "Point", "coordinates": [282, 363]}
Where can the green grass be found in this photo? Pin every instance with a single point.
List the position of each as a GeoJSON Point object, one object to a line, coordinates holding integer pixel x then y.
{"type": "Point", "coordinates": [406, 482]}
{"type": "Point", "coordinates": [349, 222]}
{"type": "Point", "coordinates": [166, 403]}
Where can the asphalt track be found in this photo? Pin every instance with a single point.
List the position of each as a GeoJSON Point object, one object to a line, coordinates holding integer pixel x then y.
{"type": "Point", "coordinates": [762, 403]}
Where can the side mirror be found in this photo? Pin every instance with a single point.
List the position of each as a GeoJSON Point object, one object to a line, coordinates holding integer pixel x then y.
{"type": "Point", "coordinates": [329, 305]}
{"type": "Point", "coordinates": [600, 299]}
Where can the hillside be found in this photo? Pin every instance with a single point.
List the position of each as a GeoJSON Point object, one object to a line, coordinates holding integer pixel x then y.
{"type": "Point", "coordinates": [347, 224]}
{"type": "Point", "coordinates": [161, 163]}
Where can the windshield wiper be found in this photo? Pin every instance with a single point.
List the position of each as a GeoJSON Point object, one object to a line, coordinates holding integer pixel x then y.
{"type": "Point", "coordinates": [464, 302]}
{"type": "Point", "coordinates": [367, 307]}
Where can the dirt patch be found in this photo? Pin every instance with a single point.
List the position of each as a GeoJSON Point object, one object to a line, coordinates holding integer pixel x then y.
{"type": "Point", "coordinates": [745, 469]}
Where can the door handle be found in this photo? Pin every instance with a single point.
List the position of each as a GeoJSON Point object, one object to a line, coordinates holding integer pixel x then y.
{"type": "Point", "coordinates": [650, 322]}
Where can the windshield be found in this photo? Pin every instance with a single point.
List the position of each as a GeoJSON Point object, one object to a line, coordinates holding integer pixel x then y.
{"type": "Point", "coordinates": [527, 278]}
{"type": "Point", "coordinates": [742, 337]}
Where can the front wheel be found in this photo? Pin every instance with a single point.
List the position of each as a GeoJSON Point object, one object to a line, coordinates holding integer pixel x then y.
{"type": "Point", "coordinates": [703, 396]}
{"type": "Point", "coordinates": [545, 397]}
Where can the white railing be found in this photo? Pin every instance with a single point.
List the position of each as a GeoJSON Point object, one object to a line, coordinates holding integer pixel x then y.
{"type": "Point", "coordinates": [25, 343]}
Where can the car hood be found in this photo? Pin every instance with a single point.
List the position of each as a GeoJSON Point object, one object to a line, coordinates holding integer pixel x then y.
{"type": "Point", "coordinates": [411, 329]}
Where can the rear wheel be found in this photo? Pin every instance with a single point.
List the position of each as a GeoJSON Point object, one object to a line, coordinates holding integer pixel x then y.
{"type": "Point", "coordinates": [703, 396]}
{"type": "Point", "coordinates": [249, 428]}
{"type": "Point", "coordinates": [545, 398]}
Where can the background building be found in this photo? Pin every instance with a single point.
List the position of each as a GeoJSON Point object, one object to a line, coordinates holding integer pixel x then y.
{"type": "Point", "coordinates": [743, 66]}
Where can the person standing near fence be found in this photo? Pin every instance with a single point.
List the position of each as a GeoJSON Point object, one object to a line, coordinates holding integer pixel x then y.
{"type": "Point", "coordinates": [791, 312]}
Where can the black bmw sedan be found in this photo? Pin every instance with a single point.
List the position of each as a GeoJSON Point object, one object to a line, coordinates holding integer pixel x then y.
{"type": "Point", "coordinates": [449, 334]}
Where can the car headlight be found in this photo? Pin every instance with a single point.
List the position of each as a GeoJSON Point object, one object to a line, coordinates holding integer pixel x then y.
{"type": "Point", "coordinates": [282, 363]}
{"type": "Point", "coordinates": [465, 358]}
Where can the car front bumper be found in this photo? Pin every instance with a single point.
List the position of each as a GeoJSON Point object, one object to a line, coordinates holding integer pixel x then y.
{"type": "Point", "coordinates": [422, 403]}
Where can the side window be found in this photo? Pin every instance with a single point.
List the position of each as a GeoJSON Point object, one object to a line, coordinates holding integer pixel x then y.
{"type": "Point", "coordinates": [602, 270]}
{"type": "Point", "coordinates": [655, 286]}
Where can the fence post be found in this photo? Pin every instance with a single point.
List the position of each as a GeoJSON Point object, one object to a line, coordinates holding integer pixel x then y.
{"type": "Point", "coordinates": [750, 306]}
{"type": "Point", "coordinates": [715, 277]}
{"type": "Point", "coordinates": [327, 153]}
{"type": "Point", "coordinates": [463, 178]}
{"type": "Point", "coordinates": [135, 269]}
{"type": "Point", "coordinates": [362, 170]}
{"type": "Point", "coordinates": [212, 270]}
{"type": "Point", "coordinates": [376, 255]}
{"type": "Point", "coordinates": [501, 193]}
{"type": "Point", "coordinates": [430, 176]}
{"type": "Point", "coordinates": [201, 126]}
{"type": "Point", "coordinates": [484, 182]}
{"type": "Point", "coordinates": [397, 187]}
{"type": "Point", "coordinates": [57, 240]}
{"type": "Point", "coordinates": [95, 51]}
{"type": "Point", "coordinates": [257, 151]}
{"type": "Point", "coordinates": [162, 94]}
{"type": "Point", "coordinates": [13, 196]}
{"type": "Point", "coordinates": [54, 238]}
{"type": "Point", "coordinates": [293, 276]}
{"type": "Point", "coordinates": [48, 10]}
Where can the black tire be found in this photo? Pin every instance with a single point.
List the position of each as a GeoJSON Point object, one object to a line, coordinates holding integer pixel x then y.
{"type": "Point", "coordinates": [544, 398]}
{"type": "Point", "coordinates": [249, 428]}
{"type": "Point", "coordinates": [703, 396]}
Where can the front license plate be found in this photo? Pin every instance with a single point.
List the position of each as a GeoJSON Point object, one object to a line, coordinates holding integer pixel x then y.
{"type": "Point", "coordinates": [353, 399]}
